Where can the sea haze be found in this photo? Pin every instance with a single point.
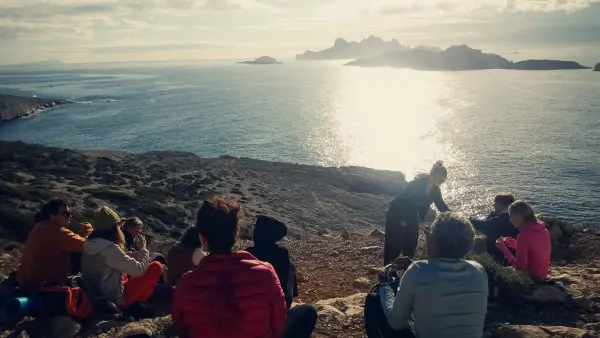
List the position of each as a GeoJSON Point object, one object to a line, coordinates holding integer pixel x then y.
{"type": "Point", "coordinates": [532, 133]}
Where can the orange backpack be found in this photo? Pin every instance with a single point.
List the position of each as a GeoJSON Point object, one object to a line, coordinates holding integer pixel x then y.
{"type": "Point", "coordinates": [77, 303]}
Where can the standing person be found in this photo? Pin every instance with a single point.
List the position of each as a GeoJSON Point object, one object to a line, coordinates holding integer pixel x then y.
{"type": "Point", "coordinates": [497, 224]}
{"type": "Point", "coordinates": [408, 208]}
{"type": "Point", "coordinates": [231, 294]}
{"type": "Point", "coordinates": [445, 294]}
{"type": "Point", "coordinates": [533, 245]}
{"type": "Point", "coordinates": [267, 232]}
{"type": "Point", "coordinates": [47, 255]}
{"type": "Point", "coordinates": [106, 266]}
{"type": "Point", "coordinates": [184, 256]}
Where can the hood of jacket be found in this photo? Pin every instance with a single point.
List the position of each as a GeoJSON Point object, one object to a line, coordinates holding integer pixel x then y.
{"type": "Point", "coordinates": [539, 226]}
{"type": "Point", "coordinates": [96, 245]}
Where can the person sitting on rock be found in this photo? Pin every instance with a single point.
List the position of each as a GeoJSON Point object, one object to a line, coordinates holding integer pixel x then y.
{"type": "Point", "coordinates": [267, 232]}
{"type": "Point", "coordinates": [533, 246]}
{"type": "Point", "coordinates": [231, 294]}
{"type": "Point", "coordinates": [184, 256]}
{"type": "Point", "coordinates": [497, 224]}
{"type": "Point", "coordinates": [48, 253]}
{"type": "Point", "coordinates": [408, 208]}
{"type": "Point", "coordinates": [132, 227]}
{"type": "Point", "coordinates": [446, 294]}
{"type": "Point", "coordinates": [110, 274]}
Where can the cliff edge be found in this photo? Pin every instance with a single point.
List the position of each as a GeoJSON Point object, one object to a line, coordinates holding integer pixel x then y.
{"type": "Point", "coordinates": [14, 107]}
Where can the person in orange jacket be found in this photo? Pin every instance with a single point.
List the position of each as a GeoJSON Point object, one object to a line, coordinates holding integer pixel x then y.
{"type": "Point", "coordinates": [46, 255]}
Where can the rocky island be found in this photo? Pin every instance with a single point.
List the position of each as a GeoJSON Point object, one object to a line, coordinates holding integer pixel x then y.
{"type": "Point", "coordinates": [13, 107]}
{"type": "Point", "coordinates": [342, 49]}
{"type": "Point", "coordinates": [457, 58]}
{"type": "Point", "coordinates": [263, 60]}
{"type": "Point", "coordinates": [337, 253]}
{"type": "Point", "coordinates": [597, 67]}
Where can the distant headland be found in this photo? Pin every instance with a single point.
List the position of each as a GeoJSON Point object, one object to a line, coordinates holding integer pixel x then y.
{"type": "Point", "coordinates": [597, 67]}
{"type": "Point", "coordinates": [263, 60]}
{"type": "Point", "coordinates": [375, 52]}
{"type": "Point", "coordinates": [14, 107]}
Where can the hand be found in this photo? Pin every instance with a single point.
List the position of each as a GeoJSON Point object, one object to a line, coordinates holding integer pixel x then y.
{"type": "Point", "coordinates": [402, 263]}
{"type": "Point", "coordinates": [139, 242]}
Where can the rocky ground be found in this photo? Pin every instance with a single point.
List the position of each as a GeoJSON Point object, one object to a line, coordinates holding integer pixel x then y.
{"type": "Point", "coordinates": [332, 214]}
{"type": "Point", "coordinates": [13, 107]}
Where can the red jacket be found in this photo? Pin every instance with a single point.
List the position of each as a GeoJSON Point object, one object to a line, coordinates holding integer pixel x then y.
{"type": "Point", "coordinates": [229, 296]}
{"type": "Point", "coordinates": [533, 249]}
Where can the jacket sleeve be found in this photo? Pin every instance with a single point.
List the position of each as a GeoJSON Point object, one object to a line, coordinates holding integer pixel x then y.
{"type": "Point", "coordinates": [512, 260]}
{"type": "Point", "coordinates": [520, 263]}
{"type": "Point", "coordinates": [397, 312]}
{"type": "Point", "coordinates": [278, 306]}
{"type": "Point", "coordinates": [68, 241]}
{"type": "Point", "coordinates": [439, 201]}
{"type": "Point", "coordinates": [119, 260]}
{"type": "Point", "coordinates": [177, 312]}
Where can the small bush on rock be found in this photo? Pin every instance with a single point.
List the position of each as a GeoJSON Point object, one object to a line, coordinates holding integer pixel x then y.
{"type": "Point", "coordinates": [510, 282]}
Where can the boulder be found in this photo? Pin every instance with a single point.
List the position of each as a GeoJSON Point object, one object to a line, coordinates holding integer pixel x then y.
{"type": "Point", "coordinates": [377, 234]}
{"type": "Point", "coordinates": [528, 331]}
{"type": "Point", "coordinates": [155, 327]}
{"type": "Point", "coordinates": [548, 294]}
{"type": "Point", "coordinates": [345, 307]}
{"type": "Point", "coordinates": [362, 284]}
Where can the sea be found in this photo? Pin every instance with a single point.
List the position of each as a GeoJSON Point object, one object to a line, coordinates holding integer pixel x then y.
{"type": "Point", "coordinates": [533, 133]}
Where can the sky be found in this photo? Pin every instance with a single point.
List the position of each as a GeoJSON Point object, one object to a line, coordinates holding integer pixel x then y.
{"type": "Point", "coordinates": [89, 31]}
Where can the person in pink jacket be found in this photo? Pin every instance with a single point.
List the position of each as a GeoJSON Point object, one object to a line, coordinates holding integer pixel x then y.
{"type": "Point", "coordinates": [532, 246]}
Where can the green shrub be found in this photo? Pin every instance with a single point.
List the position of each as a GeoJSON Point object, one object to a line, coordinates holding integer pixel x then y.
{"type": "Point", "coordinates": [509, 281]}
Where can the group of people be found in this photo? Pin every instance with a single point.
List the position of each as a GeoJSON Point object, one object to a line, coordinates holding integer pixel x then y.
{"type": "Point", "coordinates": [447, 294]}
{"type": "Point", "coordinates": [220, 292]}
{"type": "Point", "coordinates": [216, 291]}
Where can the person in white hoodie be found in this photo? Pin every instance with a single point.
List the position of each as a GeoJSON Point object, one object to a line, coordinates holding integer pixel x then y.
{"type": "Point", "coordinates": [109, 274]}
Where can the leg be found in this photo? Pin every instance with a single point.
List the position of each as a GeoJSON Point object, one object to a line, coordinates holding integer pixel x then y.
{"type": "Point", "coordinates": [301, 321]}
{"type": "Point", "coordinates": [393, 241]}
{"type": "Point", "coordinates": [139, 289]}
{"type": "Point", "coordinates": [376, 324]}
{"type": "Point", "coordinates": [75, 263]}
{"type": "Point", "coordinates": [411, 238]}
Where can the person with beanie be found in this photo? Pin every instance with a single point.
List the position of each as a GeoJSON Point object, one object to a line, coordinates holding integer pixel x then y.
{"type": "Point", "coordinates": [48, 251]}
{"type": "Point", "coordinates": [267, 232]}
{"type": "Point", "coordinates": [110, 275]}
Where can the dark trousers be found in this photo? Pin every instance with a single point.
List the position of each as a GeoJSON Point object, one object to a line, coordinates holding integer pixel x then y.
{"type": "Point", "coordinates": [75, 263]}
{"type": "Point", "coordinates": [376, 325]}
{"type": "Point", "coordinates": [301, 321]}
{"type": "Point", "coordinates": [400, 240]}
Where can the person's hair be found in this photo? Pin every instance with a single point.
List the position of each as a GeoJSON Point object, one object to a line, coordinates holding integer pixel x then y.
{"type": "Point", "coordinates": [524, 209]}
{"type": "Point", "coordinates": [190, 238]}
{"type": "Point", "coordinates": [438, 170]}
{"type": "Point", "coordinates": [218, 221]}
{"type": "Point", "coordinates": [114, 235]}
{"type": "Point", "coordinates": [131, 222]}
{"type": "Point", "coordinates": [453, 235]}
{"type": "Point", "coordinates": [52, 207]}
{"type": "Point", "coordinates": [505, 199]}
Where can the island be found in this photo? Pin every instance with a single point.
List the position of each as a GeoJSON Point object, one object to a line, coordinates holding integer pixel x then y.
{"type": "Point", "coordinates": [14, 107]}
{"type": "Point", "coordinates": [342, 49]}
{"type": "Point", "coordinates": [263, 60]}
{"type": "Point", "coordinates": [457, 58]}
{"type": "Point", "coordinates": [597, 67]}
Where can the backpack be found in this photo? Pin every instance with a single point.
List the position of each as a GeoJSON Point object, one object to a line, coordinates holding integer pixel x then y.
{"type": "Point", "coordinates": [65, 300]}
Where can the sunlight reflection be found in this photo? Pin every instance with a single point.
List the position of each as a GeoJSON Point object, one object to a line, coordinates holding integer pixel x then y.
{"type": "Point", "coordinates": [389, 118]}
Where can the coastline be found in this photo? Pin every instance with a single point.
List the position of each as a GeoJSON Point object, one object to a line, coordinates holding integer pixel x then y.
{"type": "Point", "coordinates": [13, 107]}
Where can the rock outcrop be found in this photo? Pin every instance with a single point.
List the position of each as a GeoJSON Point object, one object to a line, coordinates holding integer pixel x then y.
{"type": "Point", "coordinates": [263, 60]}
{"type": "Point", "coordinates": [13, 107]}
{"type": "Point", "coordinates": [457, 58]}
{"type": "Point", "coordinates": [597, 67]}
{"type": "Point", "coordinates": [342, 49]}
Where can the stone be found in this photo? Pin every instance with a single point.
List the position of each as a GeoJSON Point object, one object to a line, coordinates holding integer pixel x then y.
{"type": "Point", "coordinates": [362, 284]}
{"type": "Point", "coordinates": [155, 327]}
{"type": "Point", "coordinates": [377, 234]}
{"type": "Point", "coordinates": [528, 331]}
{"type": "Point", "coordinates": [548, 294]}
{"type": "Point", "coordinates": [592, 326]}
{"type": "Point", "coordinates": [370, 249]}
{"type": "Point", "coordinates": [345, 235]}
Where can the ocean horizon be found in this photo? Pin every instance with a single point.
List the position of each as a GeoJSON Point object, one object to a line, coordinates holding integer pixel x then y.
{"type": "Point", "coordinates": [531, 133]}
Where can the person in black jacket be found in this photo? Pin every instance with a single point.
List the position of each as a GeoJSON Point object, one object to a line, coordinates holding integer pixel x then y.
{"type": "Point", "coordinates": [408, 208]}
{"type": "Point", "coordinates": [497, 224]}
{"type": "Point", "coordinates": [267, 232]}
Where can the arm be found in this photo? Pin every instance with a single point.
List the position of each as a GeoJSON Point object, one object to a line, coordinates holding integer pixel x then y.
{"type": "Point", "coordinates": [68, 241]}
{"type": "Point", "coordinates": [119, 260]}
{"type": "Point", "coordinates": [177, 313]}
{"type": "Point", "coordinates": [397, 312]}
{"type": "Point", "coordinates": [522, 254]}
{"type": "Point", "coordinates": [502, 246]}
{"type": "Point", "coordinates": [278, 306]}
{"type": "Point", "coordinates": [439, 201]}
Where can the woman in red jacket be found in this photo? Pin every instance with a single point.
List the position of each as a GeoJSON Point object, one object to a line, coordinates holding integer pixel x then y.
{"type": "Point", "coordinates": [231, 294]}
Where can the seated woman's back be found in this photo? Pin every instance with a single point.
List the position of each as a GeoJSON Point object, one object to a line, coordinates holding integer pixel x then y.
{"type": "Point", "coordinates": [230, 295]}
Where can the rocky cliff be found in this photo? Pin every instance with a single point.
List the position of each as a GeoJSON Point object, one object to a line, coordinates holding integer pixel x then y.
{"type": "Point", "coordinates": [13, 107]}
{"type": "Point", "coordinates": [342, 49]}
{"type": "Point", "coordinates": [597, 67]}
{"type": "Point", "coordinates": [335, 216]}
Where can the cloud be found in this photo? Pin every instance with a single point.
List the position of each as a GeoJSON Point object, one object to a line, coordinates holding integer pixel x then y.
{"type": "Point", "coordinates": [406, 9]}
{"type": "Point", "coordinates": [548, 5]}
{"type": "Point", "coordinates": [146, 48]}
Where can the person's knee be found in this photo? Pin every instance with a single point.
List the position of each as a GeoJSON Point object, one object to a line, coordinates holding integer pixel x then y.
{"type": "Point", "coordinates": [155, 269]}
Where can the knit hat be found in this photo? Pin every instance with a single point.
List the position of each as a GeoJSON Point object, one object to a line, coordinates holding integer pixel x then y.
{"type": "Point", "coordinates": [105, 219]}
{"type": "Point", "coordinates": [268, 230]}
